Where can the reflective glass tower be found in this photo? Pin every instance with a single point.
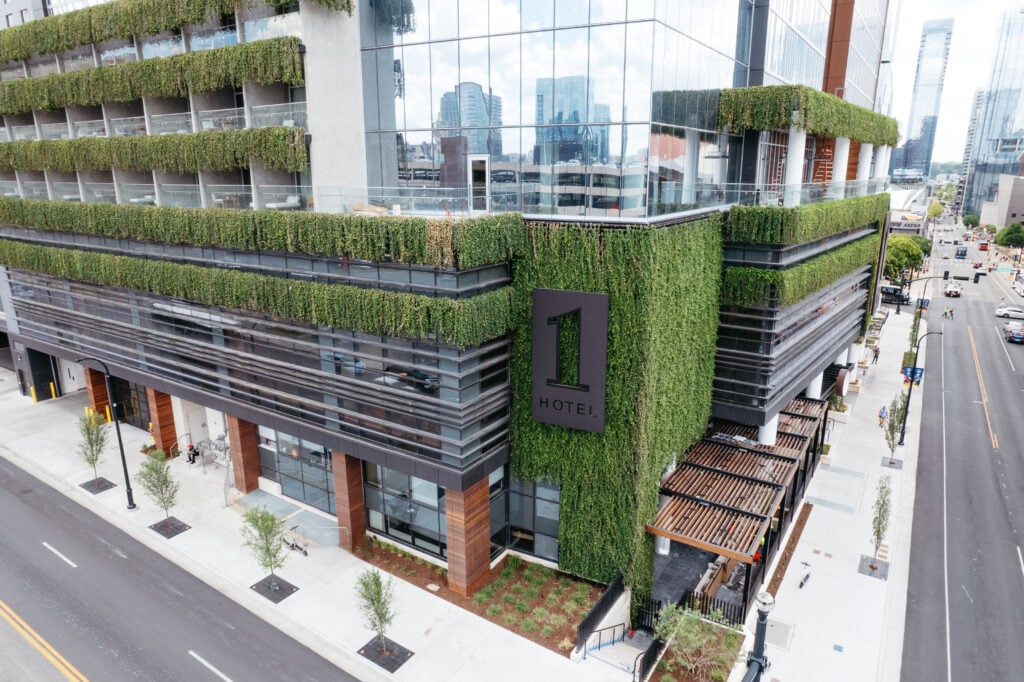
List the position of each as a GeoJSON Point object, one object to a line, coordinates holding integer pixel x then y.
{"type": "Point", "coordinates": [999, 141]}
{"type": "Point", "coordinates": [914, 158]}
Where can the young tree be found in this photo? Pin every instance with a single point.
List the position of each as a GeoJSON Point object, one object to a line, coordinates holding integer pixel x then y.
{"type": "Point", "coordinates": [901, 253]}
{"type": "Point", "coordinates": [376, 603]}
{"type": "Point", "coordinates": [891, 428]}
{"type": "Point", "coordinates": [935, 209]}
{"type": "Point", "coordinates": [971, 220]}
{"type": "Point", "coordinates": [155, 477]}
{"type": "Point", "coordinates": [93, 428]}
{"type": "Point", "coordinates": [883, 509]}
{"type": "Point", "coordinates": [263, 533]}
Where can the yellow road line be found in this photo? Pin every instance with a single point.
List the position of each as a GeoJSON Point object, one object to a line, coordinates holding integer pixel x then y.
{"type": "Point", "coordinates": [41, 645]}
{"type": "Point", "coordinates": [984, 393]}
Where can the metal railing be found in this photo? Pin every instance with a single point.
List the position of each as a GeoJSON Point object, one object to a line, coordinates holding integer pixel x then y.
{"type": "Point", "coordinates": [588, 626]}
{"type": "Point", "coordinates": [211, 39]}
{"type": "Point", "coordinates": [34, 189]}
{"type": "Point", "coordinates": [99, 193]}
{"type": "Point", "coordinates": [273, 27]}
{"type": "Point", "coordinates": [14, 72]}
{"type": "Point", "coordinates": [285, 197]}
{"type": "Point", "coordinates": [3, 135]}
{"type": "Point", "coordinates": [66, 191]}
{"type": "Point", "coordinates": [125, 127]}
{"type": "Point", "coordinates": [77, 62]}
{"type": "Point", "coordinates": [645, 661]}
{"type": "Point", "coordinates": [9, 189]}
{"type": "Point", "coordinates": [221, 119]}
{"type": "Point", "coordinates": [43, 67]}
{"type": "Point", "coordinates": [119, 55]}
{"type": "Point", "coordinates": [610, 631]}
{"type": "Point", "coordinates": [183, 196]}
{"type": "Point", "coordinates": [287, 114]}
{"type": "Point", "coordinates": [228, 196]}
{"type": "Point", "coordinates": [167, 47]}
{"type": "Point", "coordinates": [95, 128]}
{"type": "Point", "coordinates": [138, 194]}
{"type": "Point", "coordinates": [731, 612]}
{"type": "Point", "coordinates": [170, 124]}
{"type": "Point", "coordinates": [54, 131]}
{"type": "Point", "coordinates": [22, 133]}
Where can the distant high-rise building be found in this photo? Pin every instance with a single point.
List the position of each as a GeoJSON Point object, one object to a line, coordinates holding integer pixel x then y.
{"type": "Point", "coordinates": [914, 159]}
{"type": "Point", "coordinates": [998, 144]}
{"type": "Point", "coordinates": [972, 135]}
{"type": "Point", "coordinates": [468, 111]}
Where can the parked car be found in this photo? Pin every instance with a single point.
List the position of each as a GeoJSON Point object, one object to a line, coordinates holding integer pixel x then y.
{"type": "Point", "coordinates": [1010, 311]}
{"type": "Point", "coordinates": [953, 289]}
{"type": "Point", "coordinates": [1012, 325]}
{"type": "Point", "coordinates": [1015, 336]}
{"type": "Point", "coordinates": [892, 294]}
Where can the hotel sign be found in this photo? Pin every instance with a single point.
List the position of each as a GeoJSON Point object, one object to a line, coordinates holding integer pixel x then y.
{"type": "Point", "coordinates": [576, 402]}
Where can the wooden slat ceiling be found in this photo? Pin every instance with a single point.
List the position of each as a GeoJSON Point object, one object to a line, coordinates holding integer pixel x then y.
{"type": "Point", "coordinates": [723, 497]}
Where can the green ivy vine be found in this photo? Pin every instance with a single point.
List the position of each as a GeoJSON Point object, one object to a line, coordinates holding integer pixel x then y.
{"type": "Point", "coordinates": [802, 224]}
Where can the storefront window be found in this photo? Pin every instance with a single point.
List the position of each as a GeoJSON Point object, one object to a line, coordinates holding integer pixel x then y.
{"type": "Point", "coordinates": [405, 508]}
{"type": "Point", "coordinates": [302, 467]}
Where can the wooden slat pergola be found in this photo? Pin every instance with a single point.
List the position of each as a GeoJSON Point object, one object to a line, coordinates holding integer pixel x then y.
{"type": "Point", "coordinates": [724, 496]}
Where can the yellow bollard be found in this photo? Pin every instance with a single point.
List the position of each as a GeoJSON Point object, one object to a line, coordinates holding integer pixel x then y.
{"type": "Point", "coordinates": [53, 391]}
{"type": "Point", "coordinates": [32, 390]}
{"type": "Point", "coordinates": [108, 413]}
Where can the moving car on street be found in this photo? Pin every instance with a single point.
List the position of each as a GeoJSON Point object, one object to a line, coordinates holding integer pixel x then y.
{"type": "Point", "coordinates": [1010, 311]}
{"type": "Point", "coordinates": [953, 289]}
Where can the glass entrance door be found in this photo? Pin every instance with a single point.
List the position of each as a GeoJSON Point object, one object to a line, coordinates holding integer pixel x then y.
{"type": "Point", "coordinates": [479, 170]}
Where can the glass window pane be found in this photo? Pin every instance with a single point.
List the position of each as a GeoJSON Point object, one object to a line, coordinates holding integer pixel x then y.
{"type": "Point", "coordinates": [395, 482]}
{"type": "Point", "coordinates": [572, 12]}
{"type": "Point", "coordinates": [520, 511]}
{"type": "Point", "coordinates": [545, 547]}
{"type": "Point", "coordinates": [444, 20]}
{"type": "Point", "coordinates": [547, 518]}
{"type": "Point", "coordinates": [371, 473]}
{"type": "Point", "coordinates": [538, 14]}
{"type": "Point", "coordinates": [548, 491]}
{"type": "Point", "coordinates": [607, 51]}
{"type": "Point", "coordinates": [607, 10]}
{"type": "Point", "coordinates": [375, 520]}
{"type": "Point", "coordinates": [424, 492]}
{"type": "Point", "coordinates": [472, 18]}
{"type": "Point", "coordinates": [639, 61]}
{"type": "Point", "coordinates": [374, 499]}
{"type": "Point", "coordinates": [417, 100]}
{"type": "Point", "coordinates": [504, 16]}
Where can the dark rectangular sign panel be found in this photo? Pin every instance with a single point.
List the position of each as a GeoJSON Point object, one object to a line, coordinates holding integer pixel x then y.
{"type": "Point", "coordinates": [576, 402]}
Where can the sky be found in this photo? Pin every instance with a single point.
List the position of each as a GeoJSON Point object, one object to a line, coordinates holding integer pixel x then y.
{"type": "Point", "coordinates": [970, 63]}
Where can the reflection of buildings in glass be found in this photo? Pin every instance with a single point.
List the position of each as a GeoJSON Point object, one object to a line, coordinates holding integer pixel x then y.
{"type": "Point", "coordinates": [469, 112]}
{"type": "Point", "coordinates": [564, 108]}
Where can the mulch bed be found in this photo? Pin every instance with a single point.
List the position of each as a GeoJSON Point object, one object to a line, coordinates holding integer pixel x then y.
{"type": "Point", "coordinates": [97, 485]}
{"type": "Point", "coordinates": [787, 553]}
{"type": "Point", "coordinates": [533, 601]}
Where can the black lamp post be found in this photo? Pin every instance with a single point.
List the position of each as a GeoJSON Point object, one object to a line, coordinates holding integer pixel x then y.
{"type": "Point", "coordinates": [757, 662]}
{"type": "Point", "coordinates": [117, 426]}
{"type": "Point", "coordinates": [910, 391]}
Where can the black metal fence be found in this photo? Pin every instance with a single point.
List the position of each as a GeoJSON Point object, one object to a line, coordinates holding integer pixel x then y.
{"type": "Point", "coordinates": [645, 662]}
{"type": "Point", "coordinates": [645, 613]}
{"type": "Point", "coordinates": [604, 604]}
{"type": "Point", "coordinates": [731, 613]}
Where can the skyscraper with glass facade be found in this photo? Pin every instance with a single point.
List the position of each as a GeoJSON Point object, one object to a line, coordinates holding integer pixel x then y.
{"type": "Point", "coordinates": [999, 141]}
{"type": "Point", "coordinates": [914, 158]}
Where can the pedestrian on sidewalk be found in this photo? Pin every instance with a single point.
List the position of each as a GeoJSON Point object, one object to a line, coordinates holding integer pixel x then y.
{"type": "Point", "coordinates": [883, 414]}
{"type": "Point", "coordinates": [874, 355]}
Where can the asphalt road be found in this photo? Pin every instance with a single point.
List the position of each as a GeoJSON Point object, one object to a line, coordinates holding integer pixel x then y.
{"type": "Point", "coordinates": [81, 600]}
{"type": "Point", "coordinates": [965, 602]}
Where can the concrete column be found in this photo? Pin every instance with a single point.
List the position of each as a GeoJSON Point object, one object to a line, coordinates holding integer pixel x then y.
{"type": "Point", "coordinates": [161, 421]}
{"type": "Point", "coordinates": [840, 166]}
{"type": "Point", "coordinates": [690, 171]}
{"type": "Point", "coordinates": [243, 437]}
{"type": "Point", "coordinates": [813, 390]}
{"type": "Point", "coordinates": [468, 515]}
{"type": "Point", "coordinates": [882, 162]}
{"type": "Point", "coordinates": [663, 545]}
{"type": "Point", "coordinates": [794, 167]}
{"type": "Point", "coordinates": [767, 434]}
{"type": "Point", "coordinates": [864, 167]}
{"type": "Point", "coordinates": [853, 354]}
{"type": "Point", "coordinates": [843, 358]}
{"type": "Point", "coordinates": [349, 500]}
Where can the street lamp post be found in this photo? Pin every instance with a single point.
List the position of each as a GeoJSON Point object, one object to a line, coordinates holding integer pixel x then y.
{"type": "Point", "coordinates": [910, 391]}
{"type": "Point", "coordinates": [757, 662]}
{"type": "Point", "coordinates": [117, 426]}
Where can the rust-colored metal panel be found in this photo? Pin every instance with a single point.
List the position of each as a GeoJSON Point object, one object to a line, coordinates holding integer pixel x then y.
{"type": "Point", "coordinates": [468, 514]}
{"type": "Point", "coordinates": [161, 417]}
{"type": "Point", "coordinates": [349, 501]}
{"type": "Point", "coordinates": [96, 387]}
{"type": "Point", "coordinates": [245, 455]}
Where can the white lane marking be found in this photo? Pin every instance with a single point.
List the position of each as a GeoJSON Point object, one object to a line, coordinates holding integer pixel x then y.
{"type": "Point", "coordinates": [1020, 558]}
{"type": "Point", "coordinates": [1003, 346]}
{"type": "Point", "coordinates": [210, 667]}
{"type": "Point", "coordinates": [945, 523]}
{"type": "Point", "coordinates": [113, 549]}
{"type": "Point", "coordinates": [967, 593]}
{"type": "Point", "coordinates": [70, 563]}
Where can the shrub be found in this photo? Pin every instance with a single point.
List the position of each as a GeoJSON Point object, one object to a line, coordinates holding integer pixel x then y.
{"type": "Point", "coordinates": [547, 631]}
{"type": "Point", "coordinates": [540, 613]}
{"type": "Point", "coordinates": [494, 610]}
{"type": "Point", "coordinates": [522, 606]}
{"type": "Point", "coordinates": [514, 562]}
{"type": "Point", "coordinates": [510, 620]}
{"type": "Point", "coordinates": [528, 625]}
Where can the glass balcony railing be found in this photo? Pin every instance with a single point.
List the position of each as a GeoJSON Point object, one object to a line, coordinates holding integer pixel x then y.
{"type": "Point", "coordinates": [23, 133]}
{"type": "Point", "coordinates": [34, 189]}
{"type": "Point", "coordinates": [228, 196]}
{"type": "Point", "coordinates": [170, 124]}
{"type": "Point", "coordinates": [43, 67]}
{"type": "Point", "coordinates": [221, 119]}
{"type": "Point", "coordinates": [184, 196]}
{"type": "Point", "coordinates": [9, 189]}
{"type": "Point", "coordinates": [118, 55]}
{"type": "Point", "coordinates": [12, 72]}
{"type": "Point", "coordinates": [211, 39]}
{"type": "Point", "coordinates": [291, 114]}
{"type": "Point", "coordinates": [285, 197]}
{"type": "Point", "coordinates": [54, 131]}
{"type": "Point", "coordinates": [89, 128]}
{"type": "Point", "coordinates": [168, 47]}
{"type": "Point", "coordinates": [124, 127]}
{"type": "Point", "coordinates": [3, 135]}
{"type": "Point", "coordinates": [77, 62]}
{"type": "Point", "coordinates": [99, 193]}
{"type": "Point", "coordinates": [138, 194]}
{"type": "Point", "coordinates": [66, 191]}
{"type": "Point", "coordinates": [273, 27]}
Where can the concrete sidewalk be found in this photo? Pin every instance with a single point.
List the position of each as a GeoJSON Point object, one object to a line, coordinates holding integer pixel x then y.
{"type": "Point", "coordinates": [844, 624]}
{"type": "Point", "coordinates": [448, 642]}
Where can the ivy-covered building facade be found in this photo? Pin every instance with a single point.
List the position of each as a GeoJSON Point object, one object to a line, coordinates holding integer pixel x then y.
{"type": "Point", "coordinates": [383, 285]}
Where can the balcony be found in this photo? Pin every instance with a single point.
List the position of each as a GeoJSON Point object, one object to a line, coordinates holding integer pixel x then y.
{"type": "Point", "coordinates": [228, 196]}
{"type": "Point", "coordinates": [211, 39]}
{"type": "Point", "coordinates": [273, 27]}
{"type": "Point", "coordinates": [138, 194]}
{"type": "Point", "coordinates": [288, 115]}
{"type": "Point", "coordinates": [43, 66]}
{"type": "Point", "coordinates": [23, 133]}
{"type": "Point", "coordinates": [9, 189]}
{"type": "Point", "coordinates": [182, 196]}
{"type": "Point", "coordinates": [89, 128]}
{"type": "Point", "coordinates": [170, 124]}
{"type": "Point", "coordinates": [286, 197]}
{"type": "Point", "coordinates": [78, 61]}
{"type": "Point", "coordinates": [12, 72]}
{"type": "Point", "coordinates": [3, 135]}
{"type": "Point", "coordinates": [34, 189]}
{"type": "Point", "coordinates": [168, 47]}
{"type": "Point", "coordinates": [54, 131]}
{"type": "Point", "coordinates": [221, 119]}
{"type": "Point", "coordinates": [99, 193]}
{"type": "Point", "coordinates": [123, 54]}
{"type": "Point", "coordinates": [126, 127]}
{"type": "Point", "coordinates": [66, 191]}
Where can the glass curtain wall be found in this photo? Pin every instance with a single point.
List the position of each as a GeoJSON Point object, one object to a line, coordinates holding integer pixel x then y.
{"type": "Point", "coordinates": [547, 102]}
{"type": "Point", "coordinates": [302, 467]}
{"type": "Point", "coordinates": [796, 42]}
{"type": "Point", "coordinates": [866, 36]}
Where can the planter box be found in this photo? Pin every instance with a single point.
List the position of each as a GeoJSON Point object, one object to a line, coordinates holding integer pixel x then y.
{"type": "Point", "coordinates": [854, 386]}
{"type": "Point", "coordinates": [837, 416]}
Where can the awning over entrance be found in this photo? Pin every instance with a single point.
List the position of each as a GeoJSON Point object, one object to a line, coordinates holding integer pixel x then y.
{"type": "Point", "coordinates": [724, 496]}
